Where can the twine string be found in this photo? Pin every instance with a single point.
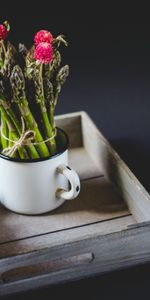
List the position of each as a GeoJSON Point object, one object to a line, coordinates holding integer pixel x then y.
{"type": "Point", "coordinates": [24, 140]}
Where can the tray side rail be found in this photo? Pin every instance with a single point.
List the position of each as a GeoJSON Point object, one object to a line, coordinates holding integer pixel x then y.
{"type": "Point", "coordinates": [78, 260]}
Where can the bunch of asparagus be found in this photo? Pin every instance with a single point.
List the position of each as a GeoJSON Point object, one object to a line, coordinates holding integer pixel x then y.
{"type": "Point", "coordinates": [30, 84]}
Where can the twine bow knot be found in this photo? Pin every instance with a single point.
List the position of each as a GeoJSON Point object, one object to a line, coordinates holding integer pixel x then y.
{"type": "Point", "coordinates": [25, 139]}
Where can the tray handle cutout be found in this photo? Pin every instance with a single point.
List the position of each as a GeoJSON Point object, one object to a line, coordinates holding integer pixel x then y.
{"type": "Point", "coordinates": [46, 267]}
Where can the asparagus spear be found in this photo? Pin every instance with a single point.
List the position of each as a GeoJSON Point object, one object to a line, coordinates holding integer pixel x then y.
{"type": "Point", "coordinates": [6, 105]}
{"type": "Point", "coordinates": [4, 128]}
{"type": "Point", "coordinates": [0, 136]}
{"type": "Point", "coordinates": [18, 87]}
{"type": "Point", "coordinates": [60, 80]}
{"type": "Point", "coordinates": [11, 132]}
{"type": "Point", "coordinates": [22, 152]}
{"type": "Point", "coordinates": [9, 60]}
{"type": "Point", "coordinates": [54, 94]}
{"type": "Point", "coordinates": [40, 98]}
{"type": "Point", "coordinates": [30, 148]}
{"type": "Point", "coordinates": [50, 69]}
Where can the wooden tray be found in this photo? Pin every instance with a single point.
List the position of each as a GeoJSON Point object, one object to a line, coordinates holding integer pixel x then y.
{"type": "Point", "coordinates": [106, 228]}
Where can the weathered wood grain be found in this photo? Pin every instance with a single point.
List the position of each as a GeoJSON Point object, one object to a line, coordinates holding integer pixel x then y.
{"type": "Point", "coordinates": [114, 251]}
{"type": "Point", "coordinates": [49, 240]}
{"type": "Point", "coordinates": [105, 204]}
{"type": "Point", "coordinates": [109, 221]}
{"type": "Point", "coordinates": [132, 191]}
{"type": "Point", "coordinates": [46, 267]}
{"type": "Point", "coordinates": [83, 163]}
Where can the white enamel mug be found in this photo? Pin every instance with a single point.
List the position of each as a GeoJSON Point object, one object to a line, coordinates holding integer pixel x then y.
{"type": "Point", "coordinates": [40, 185]}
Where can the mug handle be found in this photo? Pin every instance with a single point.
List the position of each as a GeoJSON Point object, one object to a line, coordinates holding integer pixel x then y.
{"type": "Point", "coordinates": [74, 181]}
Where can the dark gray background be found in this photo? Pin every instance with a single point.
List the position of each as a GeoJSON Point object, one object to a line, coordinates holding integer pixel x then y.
{"type": "Point", "coordinates": [110, 79]}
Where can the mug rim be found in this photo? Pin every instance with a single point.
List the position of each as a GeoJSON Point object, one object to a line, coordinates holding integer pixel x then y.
{"type": "Point", "coordinates": [40, 159]}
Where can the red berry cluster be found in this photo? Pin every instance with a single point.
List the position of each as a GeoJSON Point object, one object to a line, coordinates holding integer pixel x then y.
{"type": "Point", "coordinates": [3, 32]}
{"type": "Point", "coordinates": [43, 47]}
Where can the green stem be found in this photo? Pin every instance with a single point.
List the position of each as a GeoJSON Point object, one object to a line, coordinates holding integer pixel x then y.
{"type": "Point", "coordinates": [22, 151]}
{"type": "Point", "coordinates": [31, 148]}
{"type": "Point", "coordinates": [0, 143]}
{"type": "Point", "coordinates": [52, 110]}
{"type": "Point", "coordinates": [10, 137]}
{"type": "Point", "coordinates": [47, 126]}
{"type": "Point", "coordinates": [4, 129]}
{"type": "Point", "coordinates": [31, 124]}
{"type": "Point", "coordinates": [3, 46]}
{"type": "Point", "coordinates": [48, 130]}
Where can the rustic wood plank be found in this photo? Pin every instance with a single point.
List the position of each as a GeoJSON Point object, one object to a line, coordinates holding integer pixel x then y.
{"type": "Point", "coordinates": [105, 204]}
{"type": "Point", "coordinates": [49, 240]}
{"type": "Point", "coordinates": [132, 191]}
{"type": "Point", "coordinates": [94, 142]}
{"type": "Point", "coordinates": [83, 163]}
{"type": "Point", "coordinates": [123, 249]}
{"type": "Point", "coordinates": [69, 249]}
